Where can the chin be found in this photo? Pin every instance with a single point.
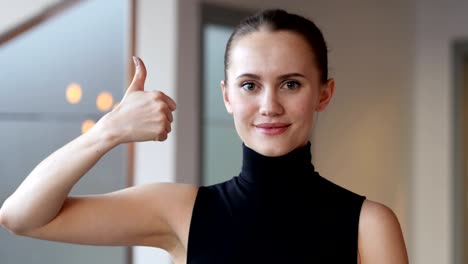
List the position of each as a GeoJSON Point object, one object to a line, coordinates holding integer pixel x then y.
{"type": "Point", "coordinates": [272, 149]}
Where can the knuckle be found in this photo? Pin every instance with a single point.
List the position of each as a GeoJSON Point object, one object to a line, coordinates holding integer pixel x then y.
{"type": "Point", "coordinates": [162, 137]}
{"type": "Point", "coordinates": [163, 107]}
{"type": "Point", "coordinates": [161, 130]}
{"type": "Point", "coordinates": [160, 118]}
{"type": "Point", "coordinates": [157, 95]}
{"type": "Point", "coordinates": [160, 107]}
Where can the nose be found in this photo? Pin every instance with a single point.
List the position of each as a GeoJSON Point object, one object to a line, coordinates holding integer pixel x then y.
{"type": "Point", "coordinates": [270, 104]}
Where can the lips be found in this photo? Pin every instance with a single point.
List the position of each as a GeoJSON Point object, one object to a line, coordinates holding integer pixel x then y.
{"type": "Point", "coordinates": [272, 128]}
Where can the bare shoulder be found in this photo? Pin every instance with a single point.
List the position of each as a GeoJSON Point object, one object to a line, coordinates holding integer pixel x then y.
{"type": "Point", "coordinates": [380, 235]}
{"type": "Point", "coordinates": [177, 205]}
{"type": "Point", "coordinates": [173, 190]}
{"type": "Point", "coordinates": [176, 201]}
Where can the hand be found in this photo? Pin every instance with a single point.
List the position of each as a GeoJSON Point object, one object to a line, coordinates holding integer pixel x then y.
{"type": "Point", "coordinates": [141, 115]}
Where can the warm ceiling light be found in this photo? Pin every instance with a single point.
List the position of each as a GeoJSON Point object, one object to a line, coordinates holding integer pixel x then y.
{"type": "Point", "coordinates": [87, 125]}
{"type": "Point", "coordinates": [73, 93]}
{"type": "Point", "coordinates": [104, 101]}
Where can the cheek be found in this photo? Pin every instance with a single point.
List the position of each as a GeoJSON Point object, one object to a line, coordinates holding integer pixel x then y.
{"type": "Point", "coordinates": [242, 109]}
{"type": "Point", "coordinates": [304, 108]}
{"type": "Point", "coordinates": [242, 114]}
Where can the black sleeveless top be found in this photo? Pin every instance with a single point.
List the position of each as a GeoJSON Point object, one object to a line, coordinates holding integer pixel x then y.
{"type": "Point", "coordinates": [277, 210]}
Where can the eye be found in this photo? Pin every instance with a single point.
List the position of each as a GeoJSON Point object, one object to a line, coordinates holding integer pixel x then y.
{"type": "Point", "coordinates": [248, 86]}
{"type": "Point", "coordinates": [292, 85]}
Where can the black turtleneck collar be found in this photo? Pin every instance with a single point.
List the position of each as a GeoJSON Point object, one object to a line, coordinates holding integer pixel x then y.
{"type": "Point", "coordinates": [291, 167]}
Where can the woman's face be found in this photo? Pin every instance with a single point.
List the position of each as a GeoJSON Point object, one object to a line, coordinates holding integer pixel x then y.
{"type": "Point", "coordinates": [273, 90]}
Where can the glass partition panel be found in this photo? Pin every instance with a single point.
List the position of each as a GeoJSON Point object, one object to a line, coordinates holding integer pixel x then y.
{"type": "Point", "coordinates": [65, 72]}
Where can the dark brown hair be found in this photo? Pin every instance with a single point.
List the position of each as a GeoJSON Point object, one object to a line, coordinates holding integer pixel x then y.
{"type": "Point", "coordinates": [278, 19]}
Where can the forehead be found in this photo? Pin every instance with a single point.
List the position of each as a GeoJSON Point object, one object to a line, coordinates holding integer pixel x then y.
{"type": "Point", "coordinates": [266, 52]}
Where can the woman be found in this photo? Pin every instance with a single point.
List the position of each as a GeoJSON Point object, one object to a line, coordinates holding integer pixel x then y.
{"type": "Point", "coordinates": [278, 210]}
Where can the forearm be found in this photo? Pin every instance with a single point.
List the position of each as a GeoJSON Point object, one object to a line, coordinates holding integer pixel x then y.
{"type": "Point", "coordinates": [41, 195]}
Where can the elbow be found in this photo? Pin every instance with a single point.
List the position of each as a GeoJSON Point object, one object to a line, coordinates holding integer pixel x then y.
{"type": "Point", "coordinates": [3, 217]}
{"type": "Point", "coordinates": [7, 222]}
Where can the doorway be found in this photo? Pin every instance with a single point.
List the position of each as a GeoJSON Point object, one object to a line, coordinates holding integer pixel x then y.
{"type": "Point", "coordinates": [221, 147]}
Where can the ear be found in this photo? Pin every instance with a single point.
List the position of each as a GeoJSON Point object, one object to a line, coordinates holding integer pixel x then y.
{"type": "Point", "coordinates": [227, 103]}
{"type": "Point", "coordinates": [326, 93]}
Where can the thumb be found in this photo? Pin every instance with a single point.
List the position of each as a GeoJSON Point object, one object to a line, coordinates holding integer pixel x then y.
{"type": "Point", "coordinates": [138, 82]}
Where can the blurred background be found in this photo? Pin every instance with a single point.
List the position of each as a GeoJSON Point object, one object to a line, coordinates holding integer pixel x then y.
{"type": "Point", "coordinates": [396, 130]}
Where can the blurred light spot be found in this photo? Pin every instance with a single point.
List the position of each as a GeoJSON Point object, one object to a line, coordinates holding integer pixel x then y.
{"type": "Point", "coordinates": [104, 101]}
{"type": "Point", "coordinates": [87, 125]}
{"type": "Point", "coordinates": [73, 93]}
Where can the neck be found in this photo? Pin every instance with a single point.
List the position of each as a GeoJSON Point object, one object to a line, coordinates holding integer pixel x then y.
{"type": "Point", "coordinates": [257, 168]}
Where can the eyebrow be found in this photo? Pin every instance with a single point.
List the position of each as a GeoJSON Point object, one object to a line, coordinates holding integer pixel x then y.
{"type": "Point", "coordinates": [284, 76]}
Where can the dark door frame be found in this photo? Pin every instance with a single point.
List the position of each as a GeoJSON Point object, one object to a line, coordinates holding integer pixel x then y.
{"type": "Point", "coordinates": [460, 116]}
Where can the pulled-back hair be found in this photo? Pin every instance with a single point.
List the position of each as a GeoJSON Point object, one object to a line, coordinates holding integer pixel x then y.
{"type": "Point", "coordinates": [278, 19]}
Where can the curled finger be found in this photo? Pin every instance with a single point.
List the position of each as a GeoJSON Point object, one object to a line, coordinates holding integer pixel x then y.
{"type": "Point", "coordinates": [161, 137]}
{"type": "Point", "coordinates": [168, 100]}
{"type": "Point", "coordinates": [168, 127]}
{"type": "Point", "coordinates": [170, 117]}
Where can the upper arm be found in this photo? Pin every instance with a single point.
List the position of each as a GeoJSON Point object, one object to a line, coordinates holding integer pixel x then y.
{"type": "Point", "coordinates": [148, 215]}
{"type": "Point", "coordinates": [380, 236]}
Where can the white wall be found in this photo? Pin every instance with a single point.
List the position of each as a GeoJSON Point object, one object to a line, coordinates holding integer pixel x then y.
{"type": "Point", "coordinates": [156, 45]}
{"type": "Point", "coordinates": [438, 24]}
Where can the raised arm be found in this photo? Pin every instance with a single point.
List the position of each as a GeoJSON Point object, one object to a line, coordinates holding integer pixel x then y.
{"type": "Point", "coordinates": [380, 236]}
{"type": "Point", "coordinates": [41, 206]}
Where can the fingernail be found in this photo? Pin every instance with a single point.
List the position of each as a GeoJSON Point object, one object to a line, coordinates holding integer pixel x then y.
{"type": "Point", "coordinates": [135, 61]}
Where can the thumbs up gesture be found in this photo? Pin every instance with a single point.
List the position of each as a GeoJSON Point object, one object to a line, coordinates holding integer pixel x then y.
{"type": "Point", "coordinates": [141, 115]}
